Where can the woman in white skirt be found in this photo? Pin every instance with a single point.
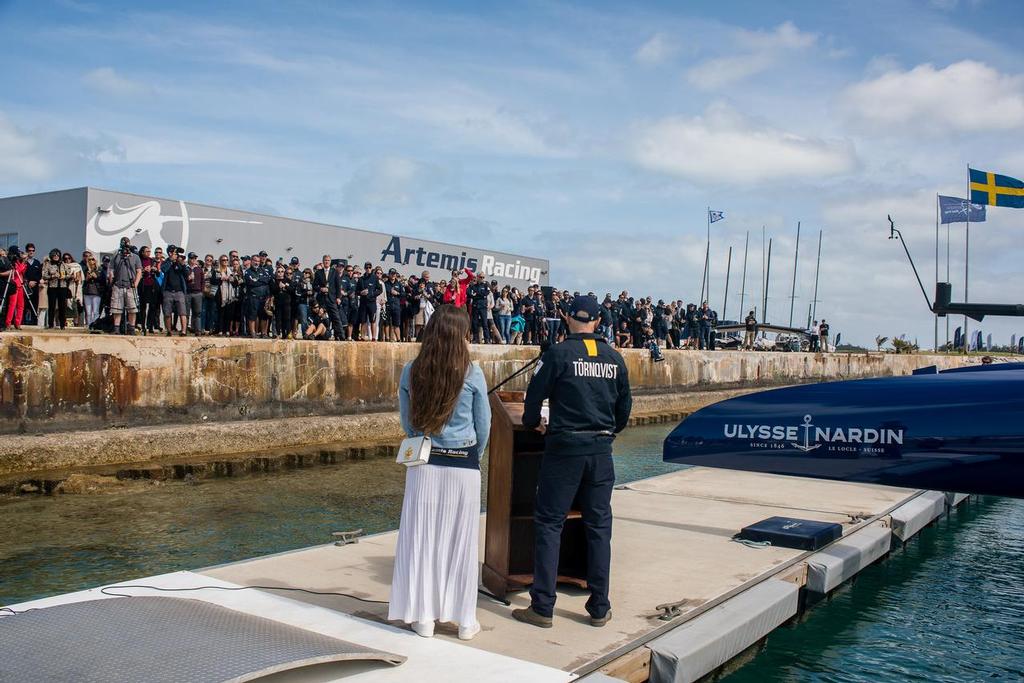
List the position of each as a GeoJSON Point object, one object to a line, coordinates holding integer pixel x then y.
{"type": "Point", "coordinates": [444, 395]}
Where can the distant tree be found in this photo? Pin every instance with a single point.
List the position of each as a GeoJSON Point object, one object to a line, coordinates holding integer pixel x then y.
{"type": "Point", "coordinates": [901, 345]}
{"type": "Point", "coordinates": [879, 340]}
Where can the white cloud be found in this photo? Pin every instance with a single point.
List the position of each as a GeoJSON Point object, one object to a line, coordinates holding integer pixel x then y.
{"type": "Point", "coordinates": [761, 51]}
{"type": "Point", "coordinates": [724, 146]}
{"type": "Point", "coordinates": [785, 36]}
{"type": "Point", "coordinates": [45, 153]}
{"type": "Point", "coordinates": [490, 126]}
{"type": "Point", "coordinates": [965, 96]}
{"type": "Point", "coordinates": [106, 81]}
{"type": "Point", "coordinates": [656, 50]}
{"type": "Point", "coordinates": [21, 156]}
{"type": "Point", "coordinates": [393, 182]}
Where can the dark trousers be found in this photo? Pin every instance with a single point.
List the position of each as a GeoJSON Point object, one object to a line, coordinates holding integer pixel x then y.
{"type": "Point", "coordinates": [705, 336]}
{"type": "Point", "coordinates": [149, 307]}
{"type": "Point", "coordinates": [589, 480]}
{"type": "Point", "coordinates": [334, 313]}
{"type": "Point", "coordinates": [56, 302]}
{"type": "Point", "coordinates": [479, 320]}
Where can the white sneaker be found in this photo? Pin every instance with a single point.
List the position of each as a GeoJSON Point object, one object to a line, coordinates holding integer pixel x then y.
{"type": "Point", "coordinates": [467, 632]}
{"type": "Point", "coordinates": [423, 628]}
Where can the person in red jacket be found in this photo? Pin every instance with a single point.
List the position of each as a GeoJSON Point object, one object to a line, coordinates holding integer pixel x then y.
{"type": "Point", "coordinates": [16, 302]}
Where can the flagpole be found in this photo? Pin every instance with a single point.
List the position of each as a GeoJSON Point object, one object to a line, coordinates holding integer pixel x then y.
{"type": "Point", "coordinates": [707, 251]}
{"type": "Point", "coordinates": [767, 277]}
{"type": "Point", "coordinates": [948, 235]}
{"type": "Point", "coordinates": [763, 295]}
{"type": "Point", "coordinates": [725, 299]}
{"type": "Point", "coordinates": [937, 260]}
{"type": "Point", "coordinates": [743, 284]}
{"type": "Point", "coordinates": [817, 270]}
{"type": "Point", "coordinates": [796, 256]}
{"type": "Point", "coordinates": [707, 257]}
{"type": "Point", "coordinates": [967, 253]}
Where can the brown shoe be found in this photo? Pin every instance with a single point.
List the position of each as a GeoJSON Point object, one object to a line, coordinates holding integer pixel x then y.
{"type": "Point", "coordinates": [594, 621]}
{"type": "Point", "coordinates": [528, 616]}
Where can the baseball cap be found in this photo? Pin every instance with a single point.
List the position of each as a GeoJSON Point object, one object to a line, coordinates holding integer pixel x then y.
{"type": "Point", "coordinates": [263, 253]}
{"type": "Point", "coordinates": [247, 258]}
{"type": "Point", "coordinates": [295, 259]}
{"type": "Point", "coordinates": [584, 309]}
{"type": "Point", "coordinates": [193, 254]}
{"type": "Point", "coordinates": [367, 265]}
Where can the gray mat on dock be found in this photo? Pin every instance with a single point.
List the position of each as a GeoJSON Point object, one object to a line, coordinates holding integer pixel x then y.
{"type": "Point", "coordinates": [160, 640]}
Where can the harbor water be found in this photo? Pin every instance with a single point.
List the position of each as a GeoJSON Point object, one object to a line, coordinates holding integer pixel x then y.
{"type": "Point", "coordinates": [946, 608]}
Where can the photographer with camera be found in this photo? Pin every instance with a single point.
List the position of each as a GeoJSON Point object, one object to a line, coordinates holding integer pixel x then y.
{"type": "Point", "coordinates": [124, 275]}
{"type": "Point", "coordinates": [175, 272]}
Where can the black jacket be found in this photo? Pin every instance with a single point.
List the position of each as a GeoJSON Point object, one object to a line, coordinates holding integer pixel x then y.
{"type": "Point", "coordinates": [587, 384]}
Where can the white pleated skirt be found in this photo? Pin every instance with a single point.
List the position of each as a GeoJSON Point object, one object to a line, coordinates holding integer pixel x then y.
{"type": "Point", "coordinates": [437, 559]}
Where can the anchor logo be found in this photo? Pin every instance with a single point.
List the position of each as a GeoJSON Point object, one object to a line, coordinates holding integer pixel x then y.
{"type": "Point", "coordinates": [408, 454]}
{"type": "Point", "coordinates": [807, 437]}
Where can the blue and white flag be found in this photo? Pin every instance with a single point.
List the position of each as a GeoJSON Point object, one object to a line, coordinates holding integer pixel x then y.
{"type": "Point", "coordinates": [714, 216]}
{"type": "Point", "coordinates": [955, 210]}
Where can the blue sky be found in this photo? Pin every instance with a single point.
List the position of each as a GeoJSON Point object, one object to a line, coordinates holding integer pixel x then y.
{"type": "Point", "coordinates": [592, 134]}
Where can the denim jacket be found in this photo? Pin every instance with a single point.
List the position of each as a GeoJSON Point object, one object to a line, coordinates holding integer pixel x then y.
{"type": "Point", "coordinates": [470, 422]}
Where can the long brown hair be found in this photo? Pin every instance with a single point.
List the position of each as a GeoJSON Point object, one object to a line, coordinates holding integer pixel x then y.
{"type": "Point", "coordinates": [439, 370]}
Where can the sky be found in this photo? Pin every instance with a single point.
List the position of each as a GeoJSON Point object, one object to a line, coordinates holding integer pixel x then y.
{"type": "Point", "coordinates": [593, 134]}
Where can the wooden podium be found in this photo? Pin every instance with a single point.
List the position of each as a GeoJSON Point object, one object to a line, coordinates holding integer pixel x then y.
{"type": "Point", "coordinates": [515, 454]}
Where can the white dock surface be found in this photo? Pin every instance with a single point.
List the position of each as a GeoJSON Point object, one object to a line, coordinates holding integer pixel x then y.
{"type": "Point", "coordinates": [670, 542]}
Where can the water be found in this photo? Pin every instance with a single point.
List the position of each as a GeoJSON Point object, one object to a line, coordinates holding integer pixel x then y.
{"type": "Point", "coordinates": [947, 608]}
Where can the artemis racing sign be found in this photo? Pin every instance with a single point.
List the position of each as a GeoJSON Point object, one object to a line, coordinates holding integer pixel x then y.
{"type": "Point", "coordinates": [486, 264]}
{"type": "Point", "coordinates": [808, 437]}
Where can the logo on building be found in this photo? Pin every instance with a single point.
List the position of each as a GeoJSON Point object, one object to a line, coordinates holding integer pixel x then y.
{"type": "Point", "coordinates": [808, 437]}
{"type": "Point", "coordinates": [143, 224]}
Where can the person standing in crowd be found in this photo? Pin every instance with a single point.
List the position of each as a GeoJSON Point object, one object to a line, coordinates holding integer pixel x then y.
{"type": "Point", "coordinates": [369, 290]}
{"type": "Point", "coordinates": [33, 282]}
{"type": "Point", "coordinates": [504, 308]}
{"type": "Point", "coordinates": [477, 294]}
{"type": "Point", "coordinates": [393, 290]}
{"type": "Point", "coordinates": [6, 270]}
{"type": "Point", "coordinates": [224, 297]}
{"type": "Point", "coordinates": [335, 300]}
{"type": "Point", "coordinates": [92, 290]}
{"type": "Point", "coordinates": [18, 288]}
{"type": "Point", "coordinates": [443, 395]}
{"type": "Point", "coordinates": [823, 335]}
{"type": "Point", "coordinates": [349, 306]}
{"type": "Point", "coordinates": [693, 326]}
{"type": "Point", "coordinates": [211, 309]}
{"type": "Point", "coordinates": [282, 292]}
{"type": "Point", "coordinates": [123, 277]}
{"type": "Point", "coordinates": [194, 299]}
{"type": "Point", "coordinates": [74, 284]}
{"type": "Point", "coordinates": [149, 293]}
{"type": "Point", "coordinates": [175, 273]}
{"type": "Point", "coordinates": [704, 327]}
{"type": "Point", "coordinates": [587, 384]}
{"type": "Point", "coordinates": [304, 298]}
{"type": "Point", "coordinates": [55, 277]}
{"type": "Point", "coordinates": [749, 331]}
{"type": "Point", "coordinates": [257, 290]}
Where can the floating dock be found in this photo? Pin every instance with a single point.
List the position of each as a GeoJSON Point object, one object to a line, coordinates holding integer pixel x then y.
{"type": "Point", "coordinates": [686, 598]}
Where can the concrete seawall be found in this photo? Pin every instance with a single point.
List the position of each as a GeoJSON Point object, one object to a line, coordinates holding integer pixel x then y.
{"type": "Point", "coordinates": [51, 382]}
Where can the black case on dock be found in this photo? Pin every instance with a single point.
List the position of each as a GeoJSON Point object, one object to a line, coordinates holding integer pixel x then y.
{"type": "Point", "coordinates": [787, 532]}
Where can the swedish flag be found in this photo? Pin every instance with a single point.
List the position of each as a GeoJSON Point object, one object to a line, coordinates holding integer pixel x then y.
{"type": "Point", "coordinates": [996, 190]}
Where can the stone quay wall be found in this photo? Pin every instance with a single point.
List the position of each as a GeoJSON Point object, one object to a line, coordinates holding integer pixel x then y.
{"type": "Point", "coordinates": [58, 382]}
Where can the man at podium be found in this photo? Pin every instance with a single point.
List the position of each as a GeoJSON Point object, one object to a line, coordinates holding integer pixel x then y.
{"type": "Point", "coordinates": [587, 385]}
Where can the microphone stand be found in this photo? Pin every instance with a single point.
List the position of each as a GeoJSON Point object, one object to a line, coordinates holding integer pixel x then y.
{"type": "Point", "coordinates": [543, 347]}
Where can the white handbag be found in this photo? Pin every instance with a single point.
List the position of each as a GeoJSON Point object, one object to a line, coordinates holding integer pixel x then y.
{"type": "Point", "coordinates": [414, 450]}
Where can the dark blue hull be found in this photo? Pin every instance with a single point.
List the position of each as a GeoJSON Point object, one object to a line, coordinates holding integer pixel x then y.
{"type": "Point", "coordinates": [952, 431]}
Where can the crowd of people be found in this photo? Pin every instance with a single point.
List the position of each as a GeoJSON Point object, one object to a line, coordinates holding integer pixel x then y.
{"type": "Point", "coordinates": [171, 292]}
